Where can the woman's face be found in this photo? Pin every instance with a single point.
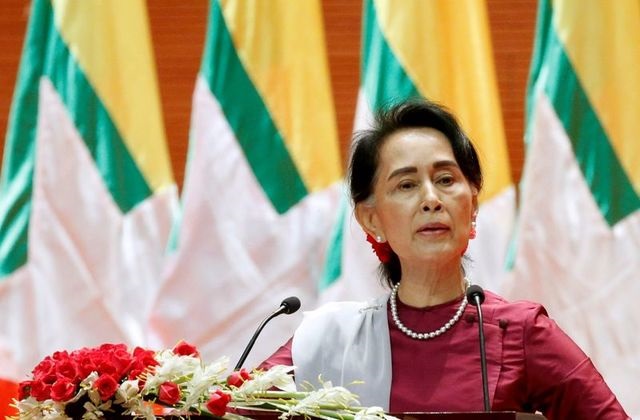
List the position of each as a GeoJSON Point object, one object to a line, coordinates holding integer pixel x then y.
{"type": "Point", "coordinates": [422, 203]}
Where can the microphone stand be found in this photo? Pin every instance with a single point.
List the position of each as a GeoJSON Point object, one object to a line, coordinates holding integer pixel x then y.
{"type": "Point", "coordinates": [255, 336]}
{"type": "Point", "coordinates": [288, 306]}
{"type": "Point", "coordinates": [476, 295]}
{"type": "Point", "coordinates": [483, 360]}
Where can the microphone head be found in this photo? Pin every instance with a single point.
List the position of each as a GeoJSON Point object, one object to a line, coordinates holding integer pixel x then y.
{"type": "Point", "coordinates": [290, 305]}
{"type": "Point", "coordinates": [473, 291]}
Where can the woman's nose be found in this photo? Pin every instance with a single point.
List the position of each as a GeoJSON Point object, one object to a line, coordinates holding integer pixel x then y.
{"type": "Point", "coordinates": [431, 200]}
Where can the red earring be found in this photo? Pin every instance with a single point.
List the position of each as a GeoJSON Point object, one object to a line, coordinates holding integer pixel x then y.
{"type": "Point", "coordinates": [472, 232]}
{"type": "Point", "coordinates": [382, 249]}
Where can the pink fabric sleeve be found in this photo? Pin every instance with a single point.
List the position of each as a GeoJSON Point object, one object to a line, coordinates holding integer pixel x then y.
{"type": "Point", "coordinates": [282, 356]}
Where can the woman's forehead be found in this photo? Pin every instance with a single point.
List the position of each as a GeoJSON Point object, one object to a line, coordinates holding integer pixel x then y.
{"type": "Point", "coordinates": [416, 146]}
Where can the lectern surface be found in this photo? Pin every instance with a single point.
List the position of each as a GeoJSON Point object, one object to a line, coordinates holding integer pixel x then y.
{"type": "Point", "coordinates": [493, 415]}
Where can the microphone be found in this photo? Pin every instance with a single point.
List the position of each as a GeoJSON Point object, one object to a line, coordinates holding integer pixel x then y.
{"type": "Point", "coordinates": [475, 295]}
{"type": "Point", "coordinates": [288, 306]}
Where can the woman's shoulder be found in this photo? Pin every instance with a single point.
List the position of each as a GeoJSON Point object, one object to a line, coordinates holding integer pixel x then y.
{"type": "Point", "coordinates": [528, 323]}
{"type": "Point", "coordinates": [494, 299]}
{"type": "Point", "coordinates": [353, 307]}
{"type": "Point", "coordinates": [341, 315]}
{"type": "Point", "coordinates": [503, 309]}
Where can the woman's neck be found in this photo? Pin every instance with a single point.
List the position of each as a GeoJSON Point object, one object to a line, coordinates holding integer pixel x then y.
{"type": "Point", "coordinates": [422, 287]}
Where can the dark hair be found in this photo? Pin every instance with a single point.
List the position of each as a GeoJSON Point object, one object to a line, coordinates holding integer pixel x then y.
{"type": "Point", "coordinates": [415, 113]}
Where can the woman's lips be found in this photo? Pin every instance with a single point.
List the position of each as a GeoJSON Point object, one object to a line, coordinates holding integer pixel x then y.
{"type": "Point", "coordinates": [433, 228]}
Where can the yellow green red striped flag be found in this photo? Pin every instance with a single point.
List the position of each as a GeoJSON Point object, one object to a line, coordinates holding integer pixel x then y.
{"type": "Point", "coordinates": [86, 192]}
{"type": "Point", "coordinates": [576, 247]}
{"type": "Point", "coordinates": [440, 50]}
{"type": "Point", "coordinates": [259, 193]}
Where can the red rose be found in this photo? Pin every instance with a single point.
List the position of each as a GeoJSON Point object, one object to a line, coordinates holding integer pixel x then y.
{"type": "Point", "coordinates": [217, 403]}
{"type": "Point", "coordinates": [238, 377]}
{"type": "Point", "coordinates": [145, 357]}
{"type": "Point", "coordinates": [121, 360]}
{"type": "Point", "coordinates": [106, 386]}
{"type": "Point", "coordinates": [67, 369]}
{"type": "Point", "coordinates": [105, 366]}
{"type": "Point", "coordinates": [185, 349]}
{"type": "Point", "coordinates": [110, 348]}
{"type": "Point", "coordinates": [60, 355]}
{"type": "Point", "coordinates": [62, 390]}
{"type": "Point", "coordinates": [45, 371]}
{"type": "Point", "coordinates": [85, 363]}
{"type": "Point", "coordinates": [169, 393]}
{"type": "Point", "coordinates": [143, 361]}
{"type": "Point", "coordinates": [40, 391]}
{"type": "Point", "coordinates": [135, 373]}
{"type": "Point", "coordinates": [24, 390]}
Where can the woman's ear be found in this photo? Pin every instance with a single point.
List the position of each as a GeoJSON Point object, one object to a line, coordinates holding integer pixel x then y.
{"type": "Point", "coordinates": [474, 200]}
{"type": "Point", "coordinates": [366, 217]}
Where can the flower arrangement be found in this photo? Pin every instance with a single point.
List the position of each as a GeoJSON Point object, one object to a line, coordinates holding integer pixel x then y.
{"type": "Point", "coordinates": [110, 381]}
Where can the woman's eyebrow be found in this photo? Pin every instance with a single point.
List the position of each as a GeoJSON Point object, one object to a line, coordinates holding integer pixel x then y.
{"type": "Point", "coordinates": [402, 171]}
{"type": "Point", "coordinates": [412, 169]}
{"type": "Point", "coordinates": [445, 163]}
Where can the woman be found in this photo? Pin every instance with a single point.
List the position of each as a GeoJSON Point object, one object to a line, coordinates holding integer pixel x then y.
{"type": "Point", "coordinates": [415, 179]}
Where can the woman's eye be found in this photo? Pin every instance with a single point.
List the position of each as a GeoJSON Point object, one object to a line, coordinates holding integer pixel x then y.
{"type": "Point", "coordinates": [407, 185]}
{"type": "Point", "coordinates": [446, 180]}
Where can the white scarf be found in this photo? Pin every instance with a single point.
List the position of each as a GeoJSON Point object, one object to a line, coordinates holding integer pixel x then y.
{"type": "Point", "coordinates": [346, 342]}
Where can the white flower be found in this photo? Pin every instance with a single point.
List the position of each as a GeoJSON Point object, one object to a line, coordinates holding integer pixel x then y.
{"type": "Point", "coordinates": [127, 391]}
{"type": "Point", "coordinates": [87, 382]}
{"type": "Point", "coordinates": [373, 413]}
{"type": "Point", "coordinates": [95, 408]}
{"type": "Point", "coordinates": [278, 377]}
{"type": "Point", "coordinates": [203, 379]}
{"type": "Point", "coordinates": [171, 367]}
{"type": "Point", "coordinates": [30, 409]}
{"type": "Point", "coordinates": [327, 396]}
{"type": "Point", "coordinates": [129, 397]}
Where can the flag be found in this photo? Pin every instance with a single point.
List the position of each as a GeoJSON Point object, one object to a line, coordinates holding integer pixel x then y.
{"type": "Point", "coordinates": [577, 246]}
{"type": "Point", "coordinates": [440, 50]}
{"type": "Point", "coordinates": [259, 194]}
{"type": "Point", "coordinates": [86, 191]}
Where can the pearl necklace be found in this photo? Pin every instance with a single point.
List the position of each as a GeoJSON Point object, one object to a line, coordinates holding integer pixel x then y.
{"type": "Point", "coordinates": [425, 335]}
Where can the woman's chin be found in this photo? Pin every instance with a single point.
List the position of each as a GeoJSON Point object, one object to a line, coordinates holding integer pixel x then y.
{"type": "Point", "coordinates": [439, 253]}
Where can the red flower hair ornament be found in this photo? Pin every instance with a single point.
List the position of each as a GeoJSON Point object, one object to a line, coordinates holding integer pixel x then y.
{"type": "Point", "coordinates": [382, 249]}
